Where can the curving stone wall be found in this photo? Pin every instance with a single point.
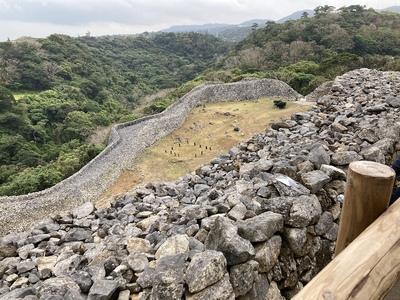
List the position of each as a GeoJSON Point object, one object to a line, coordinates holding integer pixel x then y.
{"type": "Point", "coordinates": [126, 142]}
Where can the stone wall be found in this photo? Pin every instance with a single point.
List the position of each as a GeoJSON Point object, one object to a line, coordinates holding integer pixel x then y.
{"type": "Point", "coordinates": [258, 222]}
{"type": "Point", "coordinates": [126, 142]}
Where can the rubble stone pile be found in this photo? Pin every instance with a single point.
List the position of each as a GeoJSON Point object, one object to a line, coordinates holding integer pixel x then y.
{"type": "Point", "coordinates": [258, 222]}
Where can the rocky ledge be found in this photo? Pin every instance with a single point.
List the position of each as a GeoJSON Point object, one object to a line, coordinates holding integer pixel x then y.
{"type": "Point", "coordinates": [255, 223]}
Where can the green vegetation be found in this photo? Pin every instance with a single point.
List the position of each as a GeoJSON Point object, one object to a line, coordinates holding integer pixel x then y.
{"type": "Point", "coordinates": [280, 104]}
{"type": "Point", "coordinates": [70, 90]}
{"type": "Point", "coordinates": [309, 51]}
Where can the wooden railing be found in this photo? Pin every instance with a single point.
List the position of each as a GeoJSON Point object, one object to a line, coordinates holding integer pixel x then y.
{"type": "Point", "coordinates": [367, 256]}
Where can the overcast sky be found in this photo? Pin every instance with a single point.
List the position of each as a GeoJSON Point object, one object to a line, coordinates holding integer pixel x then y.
{"type": "Point", "coordinates": [40, 18]}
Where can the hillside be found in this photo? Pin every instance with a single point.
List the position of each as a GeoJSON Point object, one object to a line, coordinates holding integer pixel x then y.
{"type": "Point", "coordinates": [234, 32]}
{"type": "Point", "coordinates": [308, 51]}
{"type": "Point", "coordinates": [70, 89]}
{"type": "Point", "coordinates": [257, 222]}
{"type": "Point", "coordinates": [238, 32]}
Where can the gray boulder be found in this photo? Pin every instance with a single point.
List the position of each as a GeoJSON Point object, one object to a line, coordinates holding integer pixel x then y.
{"type": "Point", "coordinates": [315, 180]}
{"type": "Point", "coordinates": [224, 237]}
{"type": "Point", "coordinates": [242, 277]}
{"type": "Point", "coordinates": [305, 211]}
{"type": "Point", "coordinates": [318, 155]}
{"type": "Point", "coordinates": [260, 228]}
{"type": "Point", "coordinates": [267, 253]}
{"type": "Point", "coordinates": [102, 290]}
{"type": "Point", "coordinates": [57, 287]}
{"type": "Point", "coordinates": [168, 277]}
{"type": "Point", "coordinates": [345, 158]}
{"type": "Point", "coordinates": [221, 290]}
{"type": "Point", "coordinates": [205, 269]}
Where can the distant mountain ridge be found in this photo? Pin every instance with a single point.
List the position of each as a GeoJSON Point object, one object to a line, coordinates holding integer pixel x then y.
{"type": "Point", "coordinates": [233, 32]}
{"type": "Point", "coordinates": [238, 32]}
{"type": "Point", "coordinates": [391, 8]}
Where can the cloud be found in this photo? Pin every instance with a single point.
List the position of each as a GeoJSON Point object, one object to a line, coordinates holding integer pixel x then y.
{"type": "Point", "coordinates": [132, 12]}
{"type": "Point", "coordinates": [40, 18]}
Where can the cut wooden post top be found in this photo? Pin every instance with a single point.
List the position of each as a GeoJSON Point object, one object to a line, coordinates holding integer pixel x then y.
{"type": "Point", "coordinates": [372, 169]}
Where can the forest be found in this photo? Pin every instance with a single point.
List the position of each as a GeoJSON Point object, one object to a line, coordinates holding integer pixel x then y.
{"type": "Point", "coordinates": [311, 50]}
{"type": "Point", "coordinates": [58, 94]}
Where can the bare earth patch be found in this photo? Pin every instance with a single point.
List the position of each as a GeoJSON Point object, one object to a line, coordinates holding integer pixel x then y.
{"type": "Point", "coordinates": [209, 131]}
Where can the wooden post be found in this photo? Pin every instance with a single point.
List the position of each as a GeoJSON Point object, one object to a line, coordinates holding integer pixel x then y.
{"type": "Point", "coordinates": [367, 194]}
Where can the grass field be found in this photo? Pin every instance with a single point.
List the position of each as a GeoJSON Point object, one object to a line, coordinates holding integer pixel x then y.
{"type": "Point", "coordinates": [18, 96]}
{"type": "Point", "coordinates": [209, 130]}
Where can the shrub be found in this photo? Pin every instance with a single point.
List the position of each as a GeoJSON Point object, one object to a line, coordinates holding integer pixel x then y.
{"type": "Point", "coordinates": [280, 104]}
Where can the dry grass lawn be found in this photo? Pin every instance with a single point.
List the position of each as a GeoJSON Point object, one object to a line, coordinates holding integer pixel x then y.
{"type": "Point", "coordinates": [209, 130]}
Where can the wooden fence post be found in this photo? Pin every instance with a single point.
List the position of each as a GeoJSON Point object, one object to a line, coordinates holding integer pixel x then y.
{"type": "Point", "coordinates": [367, 194]}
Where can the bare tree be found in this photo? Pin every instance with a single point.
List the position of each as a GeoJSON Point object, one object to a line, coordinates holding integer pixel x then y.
{"type": "Point", "coordinates": [51, 69]}
{"type": "Point", "coordinates": [8, 70]}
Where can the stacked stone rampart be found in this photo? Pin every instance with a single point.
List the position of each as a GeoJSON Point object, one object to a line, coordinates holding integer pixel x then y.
{"type": "Point", "coordinates": [125, 143]}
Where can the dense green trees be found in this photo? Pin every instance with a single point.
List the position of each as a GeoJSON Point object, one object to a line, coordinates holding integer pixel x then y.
{"type": "Point", "coordinates": [75, 86]}
{"type": "Point", "coordinates": [334, 41]}
{"type": "Point", "coordinates": [42, 139]}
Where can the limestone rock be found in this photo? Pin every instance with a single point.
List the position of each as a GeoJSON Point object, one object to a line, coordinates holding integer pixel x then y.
{"type": "Point", "coordinates": [137, 261]}
{"type": "Point", "coordinates": [393, 101]}
{"type": "Point", "coordinates": [136, 244]}
{"type": "Point", "coordinates": [368, 134]}
{"type": "Point", "coordinates": [273, 292]}
{"type": "Point", "coordinates": [267, 253]}
{"type": "Point", "coordinates": [7, 249]}
{"type": "Point", "coordinates": [102, 290]}
{"type": "Point", "coordinates": [259, 290]}
{"type": "Point", "coordinates": [286, 186]}
{"type": "Point", "coordinates": [83, 211]}
{"type": "Point", "coordinates": [333, 172]}
{"type": "Point", "coordinates": [205, 269]}
{"type": "Point", "coordinates": [78, 234]}
{"type": "Point", "coordinates": [57, 287]}
{"type": "Point", "coordinates": [373, 154]}
{"type": "Point", "coordinates": [345, 158]}
{"type": "Point", "coordinates": [297, 239]}
{"type": "Point", "coordinates": [174, 245]}
{"type": "Point", "coordinates": [324, 224]}
{"type": "Point", "coordinates": [305, 211]}
{"type": "Point", "coordinates": [260, 228]}
{"type": "Point", "coordinates": [238, 212]}
{"type": "Point", "coordinates": [221, 290]}
{"type": "Point", "coordinates": [315, 180]}
{"type": "Point", "coordinates": [242, 277]}
{"type": "Point", "coordinates": [223, 237]}
{"type": "Point", "coordinates": [169, 277]}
